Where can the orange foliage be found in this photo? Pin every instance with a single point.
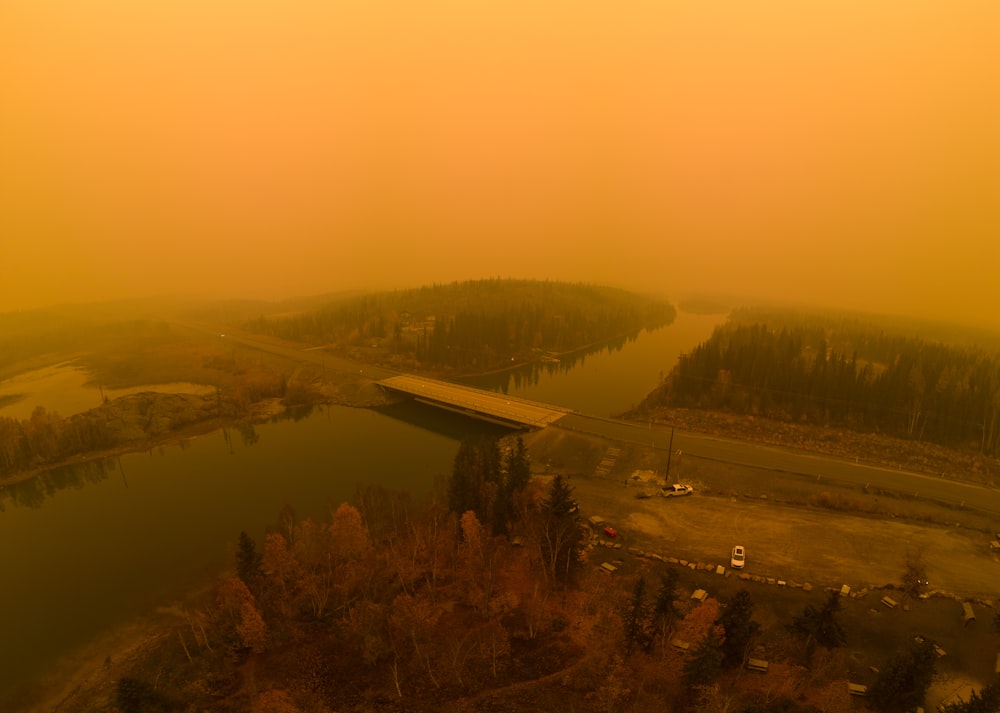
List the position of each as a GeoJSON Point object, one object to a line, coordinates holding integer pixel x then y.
{"type": "Point", "coordinates": [274, 701]}
{"type": "Point", "coordinates": [238, 606]}
{"type": "Point", "coordinates": [281, 571]}
{"type": "Point", "coordinates": [349, 538]}
{"type": "Point", "coordinates": [251, 628]}
{"type": "Point", "coordinates": [696, 625]}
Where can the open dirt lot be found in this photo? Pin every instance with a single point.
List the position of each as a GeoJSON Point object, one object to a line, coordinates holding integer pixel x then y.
{"type": "Point", "coordinates": [862, 543]}
{"type": "Point", "coordinates": [852, 540]}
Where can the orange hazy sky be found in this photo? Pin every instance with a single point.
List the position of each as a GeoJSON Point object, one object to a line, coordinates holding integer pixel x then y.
{"type": "Point", "coordinates": [843, 152]}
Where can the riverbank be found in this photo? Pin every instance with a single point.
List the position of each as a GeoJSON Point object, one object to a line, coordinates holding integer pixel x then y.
{"type": "Point", "coordinates": [865, 552]}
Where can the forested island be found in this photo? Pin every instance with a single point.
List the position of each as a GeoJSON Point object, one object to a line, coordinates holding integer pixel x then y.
{"type": "Point", "coordinates": [843, 372]}
{"type": "Point", "coordinates": [473, 326]}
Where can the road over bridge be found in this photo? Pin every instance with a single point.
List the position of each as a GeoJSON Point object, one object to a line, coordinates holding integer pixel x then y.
{"type": "Point", "coordinates": [485, 405]}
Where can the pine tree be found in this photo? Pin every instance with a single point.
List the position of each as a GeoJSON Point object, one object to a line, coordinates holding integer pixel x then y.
{"type": "Point", "coordinates": [561, 537]}
{"type": "Point", "coordinates": [518, 467]}
{"type": "Point", "coordinates": [705, 662]}
{"type": "Point", "coordinates": [986, 700]}
{"type": "Point", "coordinates": [820, 626]}
{"type": "Point", "coordinates": [902, 684]}
{"type": "Point", "coordinates": [465, 482]}
{"type": "Point", "coordinates": [665, 606]}
{"type": "Point", "coordinates": [248, 561]}
{"type": "Point", "coordinates": [636, 619]}
{"type": "Point", "coordinates": [737, 622]}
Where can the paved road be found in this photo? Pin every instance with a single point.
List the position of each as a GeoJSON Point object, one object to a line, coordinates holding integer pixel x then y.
{"type": "Point", "coordinates": [738, 452]}
{"type": "Point", "coordinates": [806, 464]}
{"type": "Point", "coordinates": [312, 355]}
{"type": "Point", "coordinates": [509, 409]}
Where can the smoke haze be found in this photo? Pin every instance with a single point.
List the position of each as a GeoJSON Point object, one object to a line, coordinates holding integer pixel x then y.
{"type": "Point", "coordinates": [840, 153]}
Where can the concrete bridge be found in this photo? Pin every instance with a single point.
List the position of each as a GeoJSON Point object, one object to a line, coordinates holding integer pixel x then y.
{"type": "Point", "coordinates": [469, 401]}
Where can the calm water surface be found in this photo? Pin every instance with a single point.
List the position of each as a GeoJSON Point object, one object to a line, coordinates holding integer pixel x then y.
{"type": "Point", "coordinates": [85, 550]}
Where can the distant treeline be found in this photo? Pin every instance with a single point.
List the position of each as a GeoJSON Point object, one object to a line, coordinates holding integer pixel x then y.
{"type": "Point", "coordinates": [843, 372]}
{"type": "Point", "coordinates": [476, 325]}
{"type": "Point", "coordinates": [46, 438]}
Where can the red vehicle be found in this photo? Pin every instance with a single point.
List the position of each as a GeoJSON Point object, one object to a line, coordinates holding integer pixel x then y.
{"type": "Point", "coordinates": [610, 532]}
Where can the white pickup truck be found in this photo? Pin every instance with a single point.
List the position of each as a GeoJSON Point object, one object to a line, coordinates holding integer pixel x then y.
{"type": "Point", "coordinates": [675, 490]}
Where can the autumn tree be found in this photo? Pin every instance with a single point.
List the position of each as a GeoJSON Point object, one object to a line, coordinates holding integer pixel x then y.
{"type": "Point", "coordinates": [494, 643]}
{"type": "Point", "coordinates": [274, 701]}
{"type": "Point", "coordinates": [413, 632]}
{"type": "Point", "coordinates": [902, 684]}
{"type": "Point", "coordinates": [480, 559]}
{"type": "Point", "coordinates": [312, 550]}
{"type": "Point", "coordinates": [238, 609]}
{"type": "Point", "coordinates": [350, 547]}
{"type": "Point", "coordinates": [819, 626]}
{"type": "Point", "coordinates": [281, 573]}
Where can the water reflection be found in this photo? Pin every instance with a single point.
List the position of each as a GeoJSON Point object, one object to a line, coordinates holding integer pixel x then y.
{"type": "Point", "coordinates": [531, 374]}
{"type": "Point", "coordinates": [454, 426]}
{"type": "Point", "coordinates": [32, 492]}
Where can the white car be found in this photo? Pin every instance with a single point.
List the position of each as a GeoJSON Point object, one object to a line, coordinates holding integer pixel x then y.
{"type": "Point", "coordinates": [739, 557]}
{"type": "Point", "coordinates": [675, 490]}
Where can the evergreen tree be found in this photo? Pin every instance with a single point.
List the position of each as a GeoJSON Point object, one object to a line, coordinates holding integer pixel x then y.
{"type": "Point", "coordinates": [465, 483]}
{"type": "Point", "coordinates": [820, 626]}
{"type": "Point", "coordinates": [986, 700]}
{"type": "Point", "coordinates": [518, 467]}
{"type": "Point", "coordinates": [739, 627]}
{"type": "Point", "coordinates": [636, 619]}
{"type": "Point", "coordinates": [702, 667]}
{"type": "Point", "coordinates": [559, 502]}
{"type": "Point", "coordinates": [561, 537]}
{"type": "Point", "coordinates": [902, 684]}
{"type": "Point", "coordinates": [248, 561]}
{"type": "Point", "coordinates": [665, 606]}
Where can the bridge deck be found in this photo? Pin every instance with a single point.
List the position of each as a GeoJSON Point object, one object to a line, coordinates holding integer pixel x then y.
{"type": "Point", "coordinates": [476, 402]}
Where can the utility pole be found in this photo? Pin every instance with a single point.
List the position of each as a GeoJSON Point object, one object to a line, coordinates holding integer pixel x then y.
{"type": "Point", "coordinates": [670, 453]}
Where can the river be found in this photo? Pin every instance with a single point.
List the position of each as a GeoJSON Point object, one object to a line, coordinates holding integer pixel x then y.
{"type": "Point", "coordinates": [86, 549]}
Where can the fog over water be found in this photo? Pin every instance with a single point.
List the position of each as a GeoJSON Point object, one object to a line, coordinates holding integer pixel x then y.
{"type": "Point", "coordinates": [841, 153]}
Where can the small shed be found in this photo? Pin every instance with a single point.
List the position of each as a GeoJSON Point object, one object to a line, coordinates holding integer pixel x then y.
{"type": "Point", "coordinates": [700, 594]}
